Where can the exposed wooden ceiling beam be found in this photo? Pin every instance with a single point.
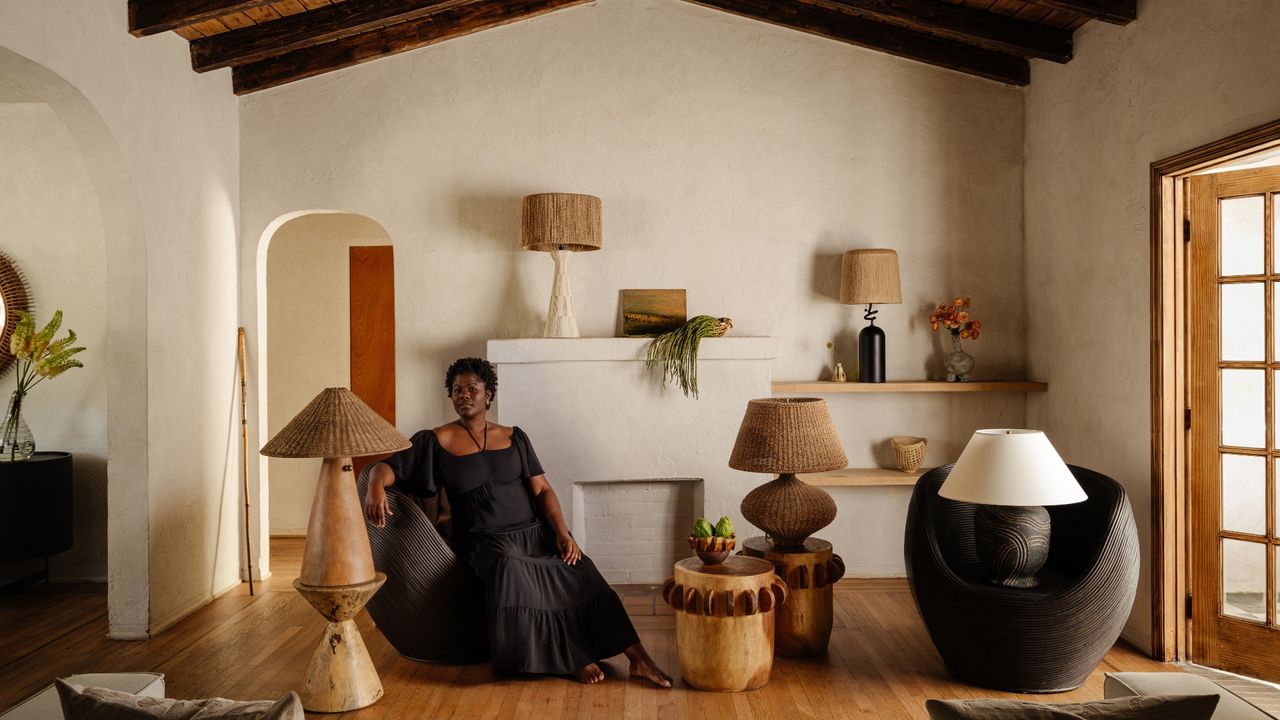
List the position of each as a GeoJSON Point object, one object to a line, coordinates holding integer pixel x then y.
{"type": "Point", "coordinates": [445, 25]}
{"type": "Point", "coordinates": [957, 22]}
{"type": "Point", "coordinates": [1116, 12]}
{"type": "Point", "coordinates": [883, 37]}
{"type": "Point", "coordinates": [332, 22]}
{"type": "Point", "coordinates": [148, 17]}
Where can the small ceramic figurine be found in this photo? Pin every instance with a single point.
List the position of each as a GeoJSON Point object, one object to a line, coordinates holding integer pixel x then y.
{"type": "Point", "coordinates": [838, 375]}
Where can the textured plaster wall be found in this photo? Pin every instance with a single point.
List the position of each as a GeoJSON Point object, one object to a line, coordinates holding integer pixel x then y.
{"type": "Point", "coordinates": [51, 227]}
{"type": "Point", "coordinates": [162, 147]}
{"type": "Point", "coordinates": [734, 159]}
{"type": "Point", "coordinates": [1133, 95]}
{"type": "Point", "coordinates": [309, 316]}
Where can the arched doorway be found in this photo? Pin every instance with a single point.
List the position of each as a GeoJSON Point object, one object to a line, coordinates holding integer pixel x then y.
{"type": "Point", "coordinates": [325, 290]}
{"type": "Point", "coordinates": [125, 349]}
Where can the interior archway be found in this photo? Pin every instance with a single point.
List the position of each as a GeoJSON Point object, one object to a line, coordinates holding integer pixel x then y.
{"type": "Point", "coordinates": [303, 340]}
{"type": "Point", "coordinates": [126, 330]}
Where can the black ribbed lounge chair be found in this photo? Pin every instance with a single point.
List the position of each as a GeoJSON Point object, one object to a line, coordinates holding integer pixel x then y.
{"type": "Point", "coordinates": [1043, 639]}
{"type": "Point", "coordinates": [431, 608]}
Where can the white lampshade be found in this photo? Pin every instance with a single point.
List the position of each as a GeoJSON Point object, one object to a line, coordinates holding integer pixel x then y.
{"type": "Point", "coordinates": [1011, 467]}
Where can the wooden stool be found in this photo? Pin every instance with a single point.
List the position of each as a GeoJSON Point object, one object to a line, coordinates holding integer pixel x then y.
{"type": "Point", "coordinates": [804, 623]}
{"type": "Point", "coordinates": [724, 621]}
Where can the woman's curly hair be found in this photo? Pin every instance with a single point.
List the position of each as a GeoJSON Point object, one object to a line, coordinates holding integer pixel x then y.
{"type": "Point", "coordinates": [478, 366]}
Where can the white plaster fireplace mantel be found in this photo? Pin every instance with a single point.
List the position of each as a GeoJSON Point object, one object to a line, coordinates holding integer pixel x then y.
{"type": "Point", "coordinates": [596, 415]}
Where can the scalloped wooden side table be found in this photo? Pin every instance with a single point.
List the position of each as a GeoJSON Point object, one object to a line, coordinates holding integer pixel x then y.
{"type": "Point", "coordinates": [725, 621]}
{"type": "Point", "coordinates": [804, 623]}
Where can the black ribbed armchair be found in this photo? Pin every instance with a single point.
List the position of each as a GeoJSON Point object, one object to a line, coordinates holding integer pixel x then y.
{"type": "Point", "coordinates": [1043, 639]}
{"type": "Point", "coordinates": [432, 607]}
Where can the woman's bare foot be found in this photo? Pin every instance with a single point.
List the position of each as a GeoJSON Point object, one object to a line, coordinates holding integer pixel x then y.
{"type": "Point", "coordinates": [589, 675]}
{"type": "Point", "coordinates": [643, 667]}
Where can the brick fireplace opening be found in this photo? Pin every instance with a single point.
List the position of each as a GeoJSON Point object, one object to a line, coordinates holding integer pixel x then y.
{"type": "Point", "coordinates": [635, 530]}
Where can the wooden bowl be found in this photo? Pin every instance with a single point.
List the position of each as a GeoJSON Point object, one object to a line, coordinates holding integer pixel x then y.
{"type": "Point", "coordinates": [712, 550]}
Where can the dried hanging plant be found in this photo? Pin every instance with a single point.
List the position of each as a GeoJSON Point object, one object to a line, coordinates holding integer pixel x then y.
{"type": "Point", "coordinates": [677, 351]}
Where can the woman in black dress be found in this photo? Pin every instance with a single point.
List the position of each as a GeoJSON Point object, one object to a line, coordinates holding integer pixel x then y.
{"type": "Point", "coordinates": [549, 609]}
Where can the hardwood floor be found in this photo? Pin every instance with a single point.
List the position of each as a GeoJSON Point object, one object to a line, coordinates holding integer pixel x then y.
{"type": "Point", "coordinates": [881, 663]}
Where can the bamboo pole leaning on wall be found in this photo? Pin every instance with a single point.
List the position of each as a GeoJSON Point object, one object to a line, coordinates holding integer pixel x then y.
{"type": "Point", "coordinates": [244, 461]}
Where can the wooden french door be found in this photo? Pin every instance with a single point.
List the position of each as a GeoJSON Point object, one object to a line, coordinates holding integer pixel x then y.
{"type": "Point", "coordinates": [1235, 395]}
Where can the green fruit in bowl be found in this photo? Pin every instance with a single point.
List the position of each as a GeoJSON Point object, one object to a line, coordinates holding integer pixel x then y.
{"type": "Point", "coordinates": [702, 528]}
{"type": "Point", "coordinates": [724, 528]}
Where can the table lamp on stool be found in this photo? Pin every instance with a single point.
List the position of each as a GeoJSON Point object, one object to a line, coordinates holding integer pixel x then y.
{"type": "Point", "coordinates": [1011, 475]}
{"type": "Point", "coordinates": [337, 575]}
{"type": "Point", "coordinates": [789, 436]}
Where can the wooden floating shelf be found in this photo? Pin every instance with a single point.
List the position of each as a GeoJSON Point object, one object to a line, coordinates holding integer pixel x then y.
{"type": "Point", "coordinates": [787, 387]}
{"type": "Point", "coordinates": [862, 477]}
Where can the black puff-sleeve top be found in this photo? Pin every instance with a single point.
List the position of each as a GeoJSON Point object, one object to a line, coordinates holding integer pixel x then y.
{"type": "Point", "coordinates": [488, 490]}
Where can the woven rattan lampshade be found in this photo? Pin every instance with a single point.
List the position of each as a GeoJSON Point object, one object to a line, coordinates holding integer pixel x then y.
{"type": "Point", "coordinates": [870, 277]}
{"type": "Point", "coordinates": [560, 221]}
{"type": "Point", "coordinates": [336, 424]}
{"type": "Point", "coordinates": [788, 436]}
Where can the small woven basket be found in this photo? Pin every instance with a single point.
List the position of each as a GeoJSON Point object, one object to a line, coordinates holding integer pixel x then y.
{"type": "Point", "coordinates": [909, 451]}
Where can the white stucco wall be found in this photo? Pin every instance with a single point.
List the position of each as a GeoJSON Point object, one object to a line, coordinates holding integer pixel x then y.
{"type": "Point", "coordinates": [163, 151]}
{"type": "Point", "coordinates": [51, 227]}
{"type": "Point", "coordinates": [309, 341]}
{"type": "Point", "coordinates": [1169, 82]}
{"type": "Point", "coordinates": [735, 159]}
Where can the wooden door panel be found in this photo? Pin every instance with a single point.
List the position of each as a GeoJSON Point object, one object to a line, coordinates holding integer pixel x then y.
{"type": "Point", "coordinates": [373, 332]}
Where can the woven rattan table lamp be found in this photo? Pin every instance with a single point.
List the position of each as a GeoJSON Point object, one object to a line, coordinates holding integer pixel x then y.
{"type": "Point", "coordinates": [870, 277]}
{"type": "Point", "coordinates": [560, 223]}
{"type": "Point", "coordinates": [1011, 475]}
{"type": "Point", "coordinates": [788, 436]}
{"type": "Point", "coordinates": [337, 575]}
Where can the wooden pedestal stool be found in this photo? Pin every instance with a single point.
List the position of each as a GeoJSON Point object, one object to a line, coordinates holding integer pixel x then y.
{"type": "Point", "coordinates": [725, 621]}
{"type": "Point", "coordinates": [804, 623]}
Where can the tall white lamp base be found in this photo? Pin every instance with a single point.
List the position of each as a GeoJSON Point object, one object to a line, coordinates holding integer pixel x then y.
{"type": "Point", "coordinates": [561, 322]}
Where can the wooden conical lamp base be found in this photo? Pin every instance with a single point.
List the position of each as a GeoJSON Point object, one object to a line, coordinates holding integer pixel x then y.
{"type": "Point", "coordinates": [336, 551]}
{"type": "Point", "coordinates": [338, 578]}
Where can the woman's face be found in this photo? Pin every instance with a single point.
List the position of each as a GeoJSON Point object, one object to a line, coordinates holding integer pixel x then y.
{"type": "Point", "coordinates": [469, 395]}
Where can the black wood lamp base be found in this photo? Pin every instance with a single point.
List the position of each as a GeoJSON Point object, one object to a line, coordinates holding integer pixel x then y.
{"type": "Point", "coordinates": [1012, 543]}
{"type": "Point", "coordinates": [871, 354]}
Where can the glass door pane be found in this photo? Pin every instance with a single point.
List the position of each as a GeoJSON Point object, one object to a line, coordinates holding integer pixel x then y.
{"type": "Point", "coordinates": [1244, 494]}
{"type": "Point", "coordinates": [1242, 235]}
{"type": "Point", "coordinates": [1244, 408]}
{"type": "Point", "coordinates": [1244, 580]}
{"type": "Point", "coordinates": [1244, 323]}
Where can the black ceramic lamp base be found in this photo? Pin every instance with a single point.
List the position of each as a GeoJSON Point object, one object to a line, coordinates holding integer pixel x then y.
{"type": "Point", "coordinates": [1012, 543]}
{"type": "Point", "coordinates": [871, 354]}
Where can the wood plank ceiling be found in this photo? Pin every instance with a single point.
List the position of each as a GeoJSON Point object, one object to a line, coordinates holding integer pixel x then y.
{"type": "Point", "coordinates": [272, 42]}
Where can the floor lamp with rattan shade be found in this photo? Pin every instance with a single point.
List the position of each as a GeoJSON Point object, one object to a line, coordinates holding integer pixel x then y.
{"type": "Point", "coordinates": [870, 277]}
{"type": "Point", "coordinates": [560, 223]}
{"type": "Point", "coordinates": [337, 575]}
{"type": "Point", "coordinates": [788, 436]}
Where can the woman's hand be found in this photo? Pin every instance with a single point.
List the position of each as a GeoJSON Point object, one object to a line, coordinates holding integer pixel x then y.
{"type": "Point", "coordinates": [376, 508]}
{"type": "Point", "coordinates": [570, 553]}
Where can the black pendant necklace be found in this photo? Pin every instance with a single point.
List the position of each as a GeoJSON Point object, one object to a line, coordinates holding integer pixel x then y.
{"type": "Point", "coordinates": [473, 437]}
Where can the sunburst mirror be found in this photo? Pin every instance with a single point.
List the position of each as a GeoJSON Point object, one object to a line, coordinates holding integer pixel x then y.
{"type": "Point", "coordinates": [14, 296]}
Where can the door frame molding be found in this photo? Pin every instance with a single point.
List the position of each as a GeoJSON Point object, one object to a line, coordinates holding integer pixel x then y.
{"type": "Point", "coordinates": [1170, 559]}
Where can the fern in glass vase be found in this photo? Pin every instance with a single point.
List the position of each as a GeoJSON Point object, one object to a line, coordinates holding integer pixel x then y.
{"type": "Point", "coordinates": [39, 357]}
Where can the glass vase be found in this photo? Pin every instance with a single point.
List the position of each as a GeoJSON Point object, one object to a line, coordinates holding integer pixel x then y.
{"type": "Point", "coordinates": [959, 362]}
{"type": "Point", "coordinates": [16, 440]}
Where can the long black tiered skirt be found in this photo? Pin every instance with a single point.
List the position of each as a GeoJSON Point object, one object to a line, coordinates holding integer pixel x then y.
{"type": "Point", "coordinates": [544, 616]}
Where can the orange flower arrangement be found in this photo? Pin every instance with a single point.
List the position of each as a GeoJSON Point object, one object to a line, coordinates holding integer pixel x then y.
{"type": "Point", "coordinates": [955, 317]}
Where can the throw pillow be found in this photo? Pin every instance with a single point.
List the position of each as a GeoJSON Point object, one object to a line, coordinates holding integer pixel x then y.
{"type": "Point", "coordinates": [1145, 707]}
{"type": "Point", "coordinates": [90, 703]}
